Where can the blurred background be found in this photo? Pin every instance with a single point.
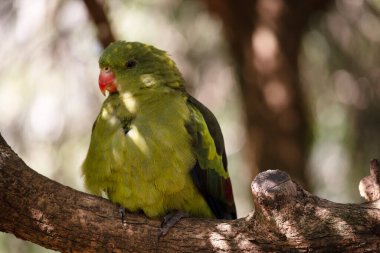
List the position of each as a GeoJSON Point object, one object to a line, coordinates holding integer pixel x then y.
{"type": "Point", "coordinates": [294, 84]}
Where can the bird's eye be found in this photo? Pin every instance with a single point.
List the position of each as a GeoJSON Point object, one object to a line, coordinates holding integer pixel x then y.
{"type": "Point", "coordinates": [131, 64]}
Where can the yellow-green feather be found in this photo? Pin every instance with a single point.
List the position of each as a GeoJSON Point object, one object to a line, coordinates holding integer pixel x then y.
{"type": "Point", "coordinates": [151, 148]}
{"type": "Point", "coordinates": [148, 168]}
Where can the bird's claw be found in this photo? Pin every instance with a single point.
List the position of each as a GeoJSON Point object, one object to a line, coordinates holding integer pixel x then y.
{"type": "Point", "coordinates": [169, 221]}
{"type": "Point", "coordinates": [122, 213]}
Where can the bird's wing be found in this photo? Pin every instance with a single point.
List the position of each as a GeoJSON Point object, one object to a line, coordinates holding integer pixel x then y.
{"type": "Point", "coordinates": [210, 172]}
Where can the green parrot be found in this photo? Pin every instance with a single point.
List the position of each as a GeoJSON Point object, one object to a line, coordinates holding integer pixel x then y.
{"type": "Point", "coordinates": [154, 148]}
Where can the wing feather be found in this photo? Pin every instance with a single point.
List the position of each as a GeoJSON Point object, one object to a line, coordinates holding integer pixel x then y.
{"type": "Point", "coordinates": [210, 173]}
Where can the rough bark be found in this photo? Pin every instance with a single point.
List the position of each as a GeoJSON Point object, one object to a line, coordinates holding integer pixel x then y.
{"type": "Point", "coordinates": [287, 218]}
{"type": "Point", "coordinates": [265, 38]}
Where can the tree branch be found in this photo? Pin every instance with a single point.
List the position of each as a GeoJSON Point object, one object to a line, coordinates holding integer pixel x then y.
{"type": "Point", "coordinates": [101, 22]}
{"type": "Point", "coordinates": [369, 186]}
{"type": "Point", "coordinates": [287, 218]}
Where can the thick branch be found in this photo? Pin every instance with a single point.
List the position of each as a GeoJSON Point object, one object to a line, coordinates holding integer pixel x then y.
{"type": "Point", "coordinates": [287, 218]}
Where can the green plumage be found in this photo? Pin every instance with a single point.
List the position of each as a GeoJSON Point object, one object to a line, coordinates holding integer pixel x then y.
{"type": "Point", "coordinates": [153, 147]}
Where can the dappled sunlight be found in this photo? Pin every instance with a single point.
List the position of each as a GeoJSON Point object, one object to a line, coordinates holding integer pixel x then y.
{"type": "Point", "coordinates": [129, 101]}
{"type": "Point", "coordinates": [265, 48]}
{"type": "Point", "coordinates": [335, 224]}
{"type": "Point", "coordinates": [243, 242]}
{"type": "Point", "coordinates": [225, 238]}
{"type": "Point", "coordinates": [376, 204]}
{"type": "Point", "coordinates": [148, 80]}
{"type": "Point", "coordinates": [291, 230]}
{"type": "Point", "coordinates": [264, 43]}
{"type": "Point", "coordinates": [347, 89]}
{"type": "Point", "coordinates": [276, 95]}
{"type": "Point", "coordinates": [42, 222]}
{"type": "Point", "coordinates": [219, 242]}
{"type": "Point", "coordinates": [224, 227]}
{"type": "Point", "coordinates": [138, 139]}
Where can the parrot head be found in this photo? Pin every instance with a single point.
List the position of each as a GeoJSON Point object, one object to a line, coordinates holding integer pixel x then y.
{"type": "Point", "coordinates": [135, 67]}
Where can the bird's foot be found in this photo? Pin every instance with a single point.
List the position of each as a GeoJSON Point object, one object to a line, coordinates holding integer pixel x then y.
{"type": "Point", "coordinates": [170, 220]}
{"type": "Point", "coordinates": [122, 213]}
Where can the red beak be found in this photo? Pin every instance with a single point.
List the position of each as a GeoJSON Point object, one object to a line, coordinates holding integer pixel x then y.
{"type": "Point", "coordinates": [107, 81]}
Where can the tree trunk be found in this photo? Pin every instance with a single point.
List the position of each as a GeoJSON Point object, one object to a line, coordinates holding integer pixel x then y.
{"type": "Point", "coordinates": [287, 219]}
{"type": "Point", "coordinates": [265, 38]}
